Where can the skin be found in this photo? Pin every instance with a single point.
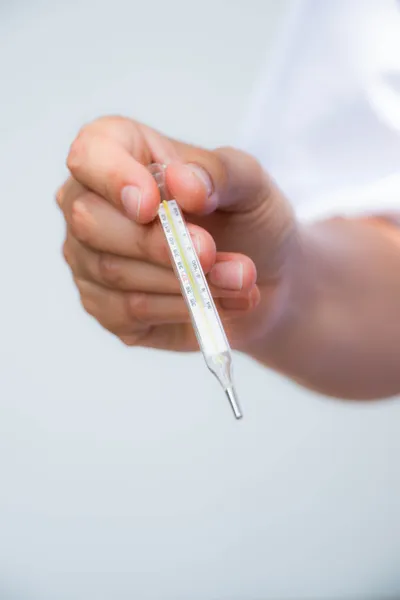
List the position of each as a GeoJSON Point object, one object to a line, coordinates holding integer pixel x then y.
{"type": "Point", "coordinates": [306, 301]}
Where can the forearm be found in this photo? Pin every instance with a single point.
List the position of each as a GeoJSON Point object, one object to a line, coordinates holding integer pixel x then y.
{"type": "Point", "coordinates": [338, 331]}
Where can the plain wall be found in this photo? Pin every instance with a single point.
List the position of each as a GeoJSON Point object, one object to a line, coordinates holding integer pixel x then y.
{"type": "Point", "coordinates": [122, 471]}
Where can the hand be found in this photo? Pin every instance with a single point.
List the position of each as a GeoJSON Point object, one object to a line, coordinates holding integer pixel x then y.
{"type": "Point", "coordinates": [240, 223]}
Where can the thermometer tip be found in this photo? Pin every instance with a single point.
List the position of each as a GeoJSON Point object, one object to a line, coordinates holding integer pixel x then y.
{"type": "Point", "coordinates": [233, 401]}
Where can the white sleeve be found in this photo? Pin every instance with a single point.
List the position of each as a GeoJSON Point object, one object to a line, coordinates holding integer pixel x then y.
{"type": "Point", "coordinates": [325, 117]}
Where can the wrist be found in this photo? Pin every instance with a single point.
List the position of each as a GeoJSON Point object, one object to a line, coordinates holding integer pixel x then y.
{"type": "Point", "coordinates": [286, 302]}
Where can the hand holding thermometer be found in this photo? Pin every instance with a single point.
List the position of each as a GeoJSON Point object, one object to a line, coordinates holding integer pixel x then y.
{"type": "Point", "coordinates": [195, 291]}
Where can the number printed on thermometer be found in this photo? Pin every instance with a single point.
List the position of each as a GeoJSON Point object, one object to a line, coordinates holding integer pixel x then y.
{"type": "Point", "coordinates": [193, 283]}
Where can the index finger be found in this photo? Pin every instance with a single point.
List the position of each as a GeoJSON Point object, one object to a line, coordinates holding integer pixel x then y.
{"type": "Point", "coordinates": [102, 161]}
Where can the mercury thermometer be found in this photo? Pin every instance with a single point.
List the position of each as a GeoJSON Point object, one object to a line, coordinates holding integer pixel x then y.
{"type": "Point", "coordinates": [206, 322]}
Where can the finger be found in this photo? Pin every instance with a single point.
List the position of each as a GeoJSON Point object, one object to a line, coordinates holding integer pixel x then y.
{"type": "Point", "coordinates": [99, 226]}
{"type": "Point", "coordinates": [178, 337]}
{"type": "Point", "coordinates": [224, 179]}
{"type": "Point", "coordinates": [118, 272]}
{"type": "Point", "coordinates": [181, 337]}
{"type": "Point", "coordinates": [234, 307]}
{"type": "Point", "coordinates": [124, 274]}
{"type": "Point", "coordinates": [101, 162]}
{"type": "Point", "coordinates": [233, 271]}
{"type": "Point", "coordinates": [102, 159]}
{"type": "Point", "coordinates": [67, 193]}
{"type": "Point", "coordinates": [125, 312]}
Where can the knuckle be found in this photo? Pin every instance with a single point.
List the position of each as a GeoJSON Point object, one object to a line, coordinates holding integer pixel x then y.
{"type": "Point", "coordinates": [137, 338]}
{"type": "Point", "coordinates": [78, 150]}
{"type": "Point", "coordinates": [88, 304]}
{"type": "Point", "coordinates": [110, 269]}
{"type": "Point", "coordinates": [121, 129]}
{"type": "Point", "coordinates": [138, 307]}
{"type": "Point", "coordinates": [80, 221]}
{"type": "Point", "coordinates": [109, 121]}
{"type": "Point", "coordinates": [66, 194]}
{"type": "Point", "coordinates": [87, 300]}
{"type": "Point", "coordinates": [60, 196]}
{"type": "Point", "coordinates": [128, 340]}
{"type": "Point", "coordinates": [81, 286]}
{"type": "Point", "coordinates": [66, 253]}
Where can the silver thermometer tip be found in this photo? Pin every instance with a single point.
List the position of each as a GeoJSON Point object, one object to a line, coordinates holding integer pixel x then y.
{"type": "Point", "coordinates": [233, 401]}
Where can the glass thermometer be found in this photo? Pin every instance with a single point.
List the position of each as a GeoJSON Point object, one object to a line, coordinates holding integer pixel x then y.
{"type": "Point", "coordinates": [195, 291]}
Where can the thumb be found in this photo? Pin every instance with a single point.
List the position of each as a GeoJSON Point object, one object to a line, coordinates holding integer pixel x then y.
{"type": "Point", "coordinates": [224, 179]}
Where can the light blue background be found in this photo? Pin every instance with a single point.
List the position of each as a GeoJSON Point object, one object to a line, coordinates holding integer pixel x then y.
{"type": "Point", "coordinates": [116, 483]}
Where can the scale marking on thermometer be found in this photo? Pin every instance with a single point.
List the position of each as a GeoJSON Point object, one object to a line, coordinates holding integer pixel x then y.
{"type": "Point", "coordinates": [194, 287]}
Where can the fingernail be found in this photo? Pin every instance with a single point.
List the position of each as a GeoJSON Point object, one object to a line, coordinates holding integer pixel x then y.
{"type": "Point", "coordinates": [235, 303]}
{"type": "Point", "coordinates": [131, 197]}
{"type": "Point", "coordinates": [203, 176]}
{"type": "Point", "coordinates": [228, 275]}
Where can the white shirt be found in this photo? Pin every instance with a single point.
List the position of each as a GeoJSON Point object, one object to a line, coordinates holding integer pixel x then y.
{"type": "Point", "coordinates": [325, 119]}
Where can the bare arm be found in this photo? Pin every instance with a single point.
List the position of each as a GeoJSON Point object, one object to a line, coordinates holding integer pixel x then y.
{"type": "Point", "coordinates": [339, 330]}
